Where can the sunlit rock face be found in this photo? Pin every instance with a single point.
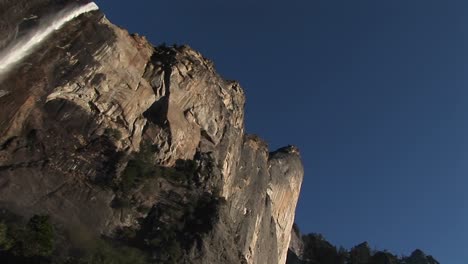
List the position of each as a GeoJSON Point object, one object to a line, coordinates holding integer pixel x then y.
{"type": "Point", "coordinates": [77, 108]}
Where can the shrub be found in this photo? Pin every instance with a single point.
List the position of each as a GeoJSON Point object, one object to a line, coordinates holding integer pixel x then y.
{"type": "Point", "coordinates": [5, 242]}
{"type": "Point", "coordinates": [201, 214]}
{"type": "Point", "coordinates": [165, 244]}
{"type": "Point", "coordinates": [33, 242]}
{"type": "Point", "coordinates": [138, 168]}
{"type": "Point", "coordinates": [142, 167]}
{"type": "Point", "coordinates": [38, 238]}
{"type": "Point", "coordinates": [121, 202]}
{"type": "Point", "coordinates": [113, 133]}
{"type": "Point", "coordinates": [105, 253]}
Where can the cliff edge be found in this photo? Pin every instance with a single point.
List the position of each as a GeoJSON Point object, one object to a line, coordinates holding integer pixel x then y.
{"type": "Point", "coordinates": [107, 134]}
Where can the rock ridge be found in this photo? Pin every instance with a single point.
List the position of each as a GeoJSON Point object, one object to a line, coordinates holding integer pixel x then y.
{"type": "Point", "coordinates": [95, 113]}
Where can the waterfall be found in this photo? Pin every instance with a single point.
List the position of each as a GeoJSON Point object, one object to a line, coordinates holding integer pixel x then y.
{"type": "Point", "coordinates": [24, 46]}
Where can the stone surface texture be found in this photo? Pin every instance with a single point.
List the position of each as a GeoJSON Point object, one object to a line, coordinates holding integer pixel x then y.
{"type": "Point", "coordinates": [91, 80]}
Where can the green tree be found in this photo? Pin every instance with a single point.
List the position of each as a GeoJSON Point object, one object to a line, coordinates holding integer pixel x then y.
{"type": "Point", "coordinates": [360, 254]}
{"type": "Point", "coordinates": [38, 238]}
{"type": "Point", "coordinates": [419, 257]}
{"type": "Point", "coordinates": [383, 257]}
{"type": "Point", "coordinates": [318, 250]}
{"type": "Point", "coordinates": [5, 241]}
{"type": "Point", "coordinates": [105, 253]}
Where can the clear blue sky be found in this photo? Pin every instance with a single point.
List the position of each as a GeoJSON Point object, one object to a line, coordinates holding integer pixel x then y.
{"type": "Point", "coordinates": [374, 93]}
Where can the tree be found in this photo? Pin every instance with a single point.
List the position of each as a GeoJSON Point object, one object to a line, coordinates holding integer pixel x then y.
{"type": "Point", "coordinates": [5, 241]}
{"type": "Point", "coordinates": [318, 250]}
{"type": "Point", "coordinates": [419, 257]}
{"type": "Point", "coordinates": [38, 238]}
{"type": "Point", "coordinates": [360, 254]}
{"type": "Point", "coordinates": [383, 257]}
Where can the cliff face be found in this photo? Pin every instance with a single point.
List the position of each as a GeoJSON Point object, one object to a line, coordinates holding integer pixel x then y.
{"type": "Point", "coordinates": [96, 117]}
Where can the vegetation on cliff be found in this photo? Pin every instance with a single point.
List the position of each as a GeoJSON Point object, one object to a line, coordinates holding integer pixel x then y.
{"type": "Point", "coordinates": [166, 233]}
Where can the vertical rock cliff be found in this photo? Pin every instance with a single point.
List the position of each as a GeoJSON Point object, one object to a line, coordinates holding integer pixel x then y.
{"type": "Point", "coordinates": [103, 131]}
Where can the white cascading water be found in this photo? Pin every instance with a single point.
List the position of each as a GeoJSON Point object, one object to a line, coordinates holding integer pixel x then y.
{"type": "Point", "coordinates": [25, 45]}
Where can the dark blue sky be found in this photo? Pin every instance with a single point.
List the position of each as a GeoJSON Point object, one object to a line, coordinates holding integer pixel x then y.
{"type": "Point", "coordinates": [373, 92]}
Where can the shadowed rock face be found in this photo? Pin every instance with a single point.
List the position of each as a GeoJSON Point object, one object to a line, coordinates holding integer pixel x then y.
{"type": "Point", "coordinates": [78, 109]}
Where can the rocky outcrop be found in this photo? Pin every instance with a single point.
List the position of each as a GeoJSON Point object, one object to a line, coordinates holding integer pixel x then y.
{"type": "Point", "coordinates": [296, 245]}
{"type": "Point", "coordinates": [76, 113]}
